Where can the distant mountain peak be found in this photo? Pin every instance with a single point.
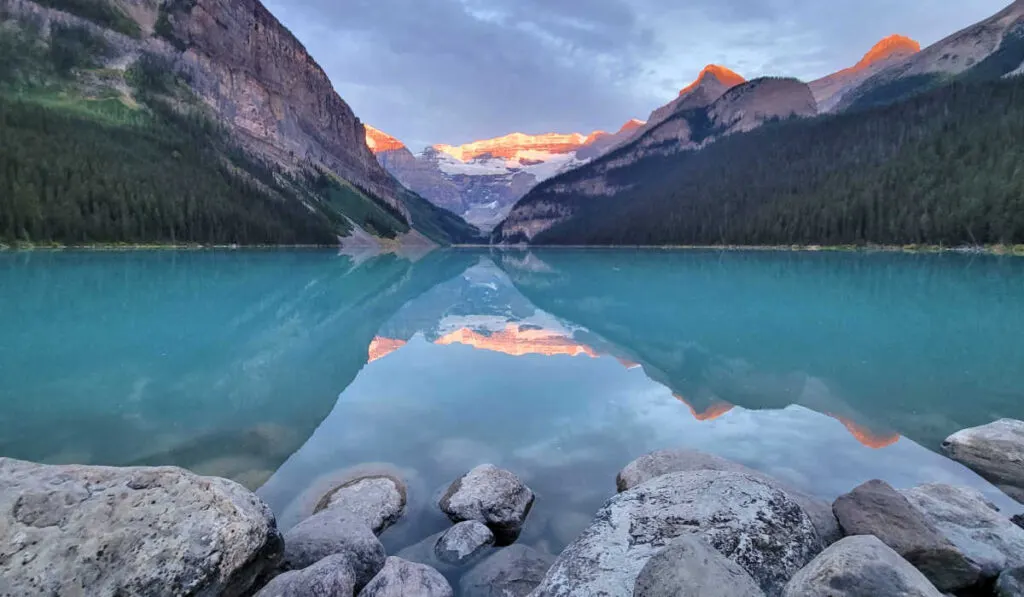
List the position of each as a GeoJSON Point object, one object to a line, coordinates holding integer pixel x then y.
{"type": "Point", "coordinates": [892, 46]}
{"type": "Point", "coordinates": [595, 137]}
{"type": "Point", "coordinates": [510, 146]}
{"type": "Point", "coordinates": [722, 74]}
{"type": "Point", "coordinates": [380, 142]}
{"type": "Point", "coordinates": [632, 125]}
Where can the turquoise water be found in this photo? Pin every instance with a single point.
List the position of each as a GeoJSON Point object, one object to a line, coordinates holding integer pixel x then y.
{"type": "Point", "coordinates": [282, 369]}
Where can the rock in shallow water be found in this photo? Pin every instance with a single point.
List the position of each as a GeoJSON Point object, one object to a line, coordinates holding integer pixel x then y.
{"type": "Point", "coordinates": [1010, 583]}
{"type": "Point", "coordinates": [513, 571]}
{"type": "Point", "coordinates": [875, 508]}
{"type": "Point", "coordinates": [974, 526]}
{"type": "Point", "coordinates": [741, 516]}
{"type": "Point", "coordinates": [335, 532]}
{"type": "Point", "coordinates": [661, 462]}
{"type": "Point", "coordinates": [689, 567]}
{"type": "Point", "coordinates": [463, 542]}
{"type": "Point", "coordinates": [994, 451]}
{"type": "Point", "coordinates": [378, 500]}
{"type": "Point", "coordinates": [860, 566]}
{"type": "Point", "coordinates": [490, 495]}
{"type": "Point", "coordinates": [330, 577]}
{"type": "Point", "coordinates": [400, 578]}
{"type": "Point", "coordinates": [129, 531]}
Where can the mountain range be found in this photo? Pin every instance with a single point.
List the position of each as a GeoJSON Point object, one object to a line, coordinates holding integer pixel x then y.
{"type": "Point", "coordinates": [207, 121]}
{"type": "Point", "coordinates": [482, 180]}
{"type": "Point", "coordinates": [907, 146]}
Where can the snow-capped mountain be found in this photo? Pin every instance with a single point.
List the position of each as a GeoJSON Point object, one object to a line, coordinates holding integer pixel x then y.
{"type": "Point", "coordinates": [482, 180]}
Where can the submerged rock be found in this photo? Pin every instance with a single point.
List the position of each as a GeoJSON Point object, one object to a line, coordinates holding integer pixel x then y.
{"type": "Point", "coordinates": [490, 495]}
{"type": "Point", "coordinates": [513, 571]}
{"type": "Point", "coordinates": [129, 531]}
{"type": "Point", "coordinates": [860, 566]}
{"type": "Point", "coordinates": [994, 451]}
{"type": "Point", "coordinates": [875, 508]}
{"type": "Point", "coordinates": [463, 542]}
{"type": "Point", "coordinates": [661, 462]}
{"type": "Point", "coordinates": [330, 577]}
{"type": "Point", "coordinates": [743, 517]}
{"type": "Point", "coordinates": [1010, 583]}
{"type": "Point", "coordinates": [335, 532]}
{"type": "Point", "coordinates": [975, 527]}
{"type": "Point", "coordinates": [689, 567]}
{"type": "Point", "coordinates": [377, 500]}
{"type": "Point", "coordinates": [400, 578]}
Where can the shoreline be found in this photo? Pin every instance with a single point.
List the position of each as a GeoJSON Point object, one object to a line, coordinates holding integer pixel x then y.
{"type": "Point", "coordinates": [996, 250]}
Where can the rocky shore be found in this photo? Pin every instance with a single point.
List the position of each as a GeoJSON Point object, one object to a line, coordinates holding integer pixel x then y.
{"type": "Point", "coordinates": [684, 523]}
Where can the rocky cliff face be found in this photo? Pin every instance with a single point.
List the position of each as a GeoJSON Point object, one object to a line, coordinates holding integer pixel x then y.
{"type": "Point", "coordinates": [997, 38]}
{"type": "Point", "coordinates": [830, 90]}
{"type": "Point", "coordinates": [261, 80]}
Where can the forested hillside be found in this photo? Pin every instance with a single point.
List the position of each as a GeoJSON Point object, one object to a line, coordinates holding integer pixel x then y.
{"type": "Point", "coordinates": [92, 151]}
{"type": "Point", "coordinates": [945, 167]}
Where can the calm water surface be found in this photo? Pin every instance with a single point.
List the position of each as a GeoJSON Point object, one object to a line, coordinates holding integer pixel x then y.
{"type": "Point", "coordinates": [284, 369]}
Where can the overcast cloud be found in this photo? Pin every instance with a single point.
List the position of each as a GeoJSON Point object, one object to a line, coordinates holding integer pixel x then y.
{"type": "Point", "coordinates": [452, 71]}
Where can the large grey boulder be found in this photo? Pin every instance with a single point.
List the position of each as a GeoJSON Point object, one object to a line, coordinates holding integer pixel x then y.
{"type": "Point", "coordinates": [493, 496]}
{"type": "Point", "coordinates": [655, 464]}
{"type": "Point", "coordinates": [463, 542]}
{"type": "Point", "coordinates": [1010, 583]}
{"type": "Point", "coordinates": [330, 577]}
{"type": "Point", "coordinates": [743, 517]}
{"type": "Point", "coordinates": [875, 508]}
{"type": "Point", "coordinates": [513, 571]}
{"type": "Point", "coordinates": [973, 525]}
{"type": "Point", "coordinates": [335, 532]}
{"type": "Point", "coordinates": [860, 566]}
{"type": "Point", "coordinates": [130, 531]}
{"type": "Point", "coordinates": [400, 578]}
{"type": "Point", "coordinates": [994, 451]}
{"type": "Point", "coordinates": [379, 500]}
{"type": "Point", "coordinates": [689, 567]}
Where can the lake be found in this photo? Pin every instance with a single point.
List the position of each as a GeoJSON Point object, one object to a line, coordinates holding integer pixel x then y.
{"type": "Point", "coordinates": [284, 369]}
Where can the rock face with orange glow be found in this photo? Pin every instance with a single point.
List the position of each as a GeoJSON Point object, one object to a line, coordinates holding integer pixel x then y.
{"type": "Point", "coordinates": [829, 91]}
{"type": "Point", "coordinates": [381, 347]}
{"type": "Point", "coordinates": [519, 341]}
{"type": "Point", "coordinates": [482, 180]}
{"type": "Point", "coordinates": [947, 58]}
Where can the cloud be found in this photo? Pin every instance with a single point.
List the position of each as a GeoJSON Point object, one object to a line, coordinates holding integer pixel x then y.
{"type": "Point", "coordinates": [452, 71]}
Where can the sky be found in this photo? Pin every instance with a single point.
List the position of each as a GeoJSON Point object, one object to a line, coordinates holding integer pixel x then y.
{"type": "Point", "coordinates": [455, 71]}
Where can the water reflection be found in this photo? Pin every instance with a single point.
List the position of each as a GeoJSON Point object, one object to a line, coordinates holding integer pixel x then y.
{"type": "Point", "coordinates": [285, 369]}
{"type": "Point", "coordinates": [564, 366]}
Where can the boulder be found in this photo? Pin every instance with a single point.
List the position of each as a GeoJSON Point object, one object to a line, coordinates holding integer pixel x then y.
{"type": "Point", "coordinates": [378, 500]}
{"type": "Point", "coordinates": [513, 571]}
{"type": "Point", "coordinates": [973, 525]}
{"type": "Point", "coordinates": [860, 566]}
{"type": "Point", "coordinates": [129, 531]}
{"type": "Point", "coordinates": [490, 495]}
{"type": "Point", "coordinates": [743, 517]}
{"type": "Point", "coordinates": [335, 532]}
{"type": "Point", "coordinates": [658, 463]}
{"type": "Point", "coordinates": [689, 567]}
{"type": "Point", "coordinates": [330, 577]}
{"type": "Point", "coordinates": [1010, 583]}
{"type": "Point", "coordinates": [463, 542]}
{"type": "Point", "coordinates": [400, 578]}
{"type": "Point", "coordinates": [875, 508]}
{"type": "Point", "coordinates": [994, 451]}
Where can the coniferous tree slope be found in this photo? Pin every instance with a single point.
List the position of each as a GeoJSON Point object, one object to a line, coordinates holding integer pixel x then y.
{"type": "Point", "coordinates": [945, 167]}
